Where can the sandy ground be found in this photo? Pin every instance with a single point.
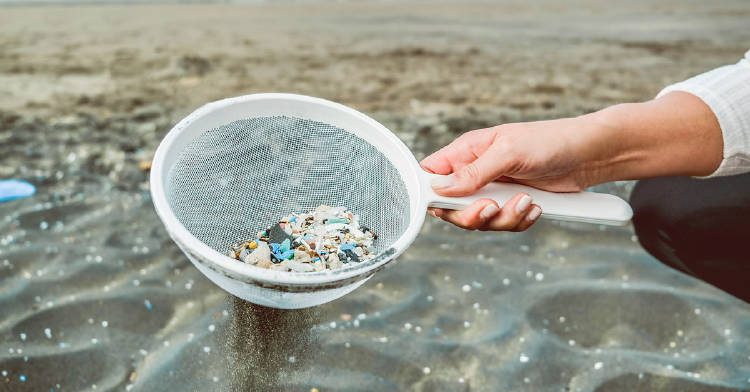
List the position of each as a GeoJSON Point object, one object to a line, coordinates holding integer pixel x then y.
{"type": "Point", "coordinates": [87, 92]}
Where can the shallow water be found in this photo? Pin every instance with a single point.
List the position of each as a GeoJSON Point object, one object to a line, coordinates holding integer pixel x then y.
{"type": "Point", "coordinates": [95, 296]}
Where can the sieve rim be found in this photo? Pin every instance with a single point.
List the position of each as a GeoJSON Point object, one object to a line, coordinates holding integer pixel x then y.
{"type": "Point", "coordinates": [236, 270]}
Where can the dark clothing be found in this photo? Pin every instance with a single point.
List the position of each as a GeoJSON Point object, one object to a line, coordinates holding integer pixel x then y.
{"type": "Point", "coordinates": [698, 226]}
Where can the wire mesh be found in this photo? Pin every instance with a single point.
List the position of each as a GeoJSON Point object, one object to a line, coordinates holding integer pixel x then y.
{"type": "Point", "coordinates": [237, 179]}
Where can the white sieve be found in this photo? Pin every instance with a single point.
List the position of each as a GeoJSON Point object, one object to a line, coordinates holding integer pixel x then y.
{"type": "Point", "coordinates": [234, 166]}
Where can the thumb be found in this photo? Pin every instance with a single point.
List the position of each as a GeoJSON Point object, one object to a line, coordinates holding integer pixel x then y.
{"type": "Point", "coordinates": [469, 178]}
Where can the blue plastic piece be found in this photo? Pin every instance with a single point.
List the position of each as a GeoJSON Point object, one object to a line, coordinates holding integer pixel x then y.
{"type": "Point", "coordinates": [284, 255]}
{"type": "Point", "coordinates": [293, 219]}
{"type": "Point", "coordinates": [15, 189]}
{"type": "Point", "coordinates": [347, 247]}
{"type": "Point", "coordinates": [285, 245]}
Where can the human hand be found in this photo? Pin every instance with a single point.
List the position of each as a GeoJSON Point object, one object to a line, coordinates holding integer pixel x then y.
{"type": "Point", "coordinates": [511, 152]}
{"type": "Point", "coordinates": [675, 135]}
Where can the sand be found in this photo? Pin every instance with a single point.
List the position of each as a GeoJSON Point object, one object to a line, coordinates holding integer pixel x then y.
{"type": "Point", "coordinates": [87, 92]}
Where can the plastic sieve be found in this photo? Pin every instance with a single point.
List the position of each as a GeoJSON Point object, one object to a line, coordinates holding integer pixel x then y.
{"type": "Point", "coordinates": [234, 166]}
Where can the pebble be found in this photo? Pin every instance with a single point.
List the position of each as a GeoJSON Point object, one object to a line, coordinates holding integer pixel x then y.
{"type": "Point", "coordinates": [324, 238]}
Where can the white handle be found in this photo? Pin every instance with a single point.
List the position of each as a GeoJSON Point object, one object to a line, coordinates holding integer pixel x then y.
{"type": "Point", "coordinates": [590, 207]}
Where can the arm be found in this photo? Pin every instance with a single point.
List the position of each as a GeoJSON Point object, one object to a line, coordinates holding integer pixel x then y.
{"type": "Point", "coordinates": [699, 127]}
{"type": "Point", "coordinates": [675, 135]}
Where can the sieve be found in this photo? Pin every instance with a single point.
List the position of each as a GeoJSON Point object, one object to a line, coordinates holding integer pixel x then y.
{"type": "Point", "coordinates": [234, 166]}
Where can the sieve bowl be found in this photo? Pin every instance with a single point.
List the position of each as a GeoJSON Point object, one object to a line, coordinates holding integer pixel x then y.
{"type": "Point", "coordinates": [234, 166]}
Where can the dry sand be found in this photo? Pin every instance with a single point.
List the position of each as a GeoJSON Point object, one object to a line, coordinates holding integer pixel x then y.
{"type": "Point", "coordinates": [87, 92]}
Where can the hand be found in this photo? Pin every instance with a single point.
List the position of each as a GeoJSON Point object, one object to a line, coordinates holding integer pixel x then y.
{"type": "Point", "coordinates": [539, 154]}
{"type": "Point", "coordinates": [676, 134]}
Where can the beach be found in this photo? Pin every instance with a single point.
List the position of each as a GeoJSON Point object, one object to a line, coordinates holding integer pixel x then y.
{"type": "Point", "coordinates": [94, 295]}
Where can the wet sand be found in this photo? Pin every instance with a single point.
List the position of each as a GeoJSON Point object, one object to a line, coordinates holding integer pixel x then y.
{"type": "Point", "coordinates": [95, 296]}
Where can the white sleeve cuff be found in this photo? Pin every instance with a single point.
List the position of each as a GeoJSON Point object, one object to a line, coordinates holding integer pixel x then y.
{"type": "Point", "coordinates": [726, 90]}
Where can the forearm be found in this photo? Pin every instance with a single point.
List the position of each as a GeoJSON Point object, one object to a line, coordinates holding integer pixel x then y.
{"type": "Point", "coordinates": [676, 134]}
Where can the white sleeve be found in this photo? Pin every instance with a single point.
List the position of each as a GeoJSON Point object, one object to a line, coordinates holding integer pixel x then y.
{"type": "Point", "coordinates": [726, 90]}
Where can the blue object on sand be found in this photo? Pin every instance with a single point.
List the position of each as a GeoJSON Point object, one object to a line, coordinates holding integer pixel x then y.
{"type": "Point", "coordinates": [15, 189]}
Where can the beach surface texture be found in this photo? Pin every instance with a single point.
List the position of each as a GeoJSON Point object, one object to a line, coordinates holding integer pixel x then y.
{"type": "Point", "coordinates": [95, 296]}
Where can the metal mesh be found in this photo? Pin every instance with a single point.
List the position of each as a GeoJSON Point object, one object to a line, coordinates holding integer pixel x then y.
{"type": "Point", "coordinates": [236, 179]}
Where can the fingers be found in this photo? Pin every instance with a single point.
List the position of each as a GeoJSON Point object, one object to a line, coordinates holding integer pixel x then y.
{"type": "Point", "coordinates": [471, 177]}
{"type": "Point", "coordinates": [456, 154]}
{"type": "Point", "coordinates": [518, 214]}
{"type": "Point", "coordinates": [438, 163]}
{"type": "Point", "coordinates": [534, 213]}
{"type": "Point", "coordinates": [472, 217]}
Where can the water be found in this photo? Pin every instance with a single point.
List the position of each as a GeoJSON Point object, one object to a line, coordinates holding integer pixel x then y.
{"type": "Point", "coordinates": [96, 297]}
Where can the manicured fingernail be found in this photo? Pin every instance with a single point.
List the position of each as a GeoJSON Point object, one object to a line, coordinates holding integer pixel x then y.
{"type": "Point", "coordinates": [442, 182]}
{"type": "Point", "coordinates": [534, 213]}
{"type": "Point", "coordinates": [488, 212]}
{"type": "Point", "coordinates": [523, 204]}
{"type": "Point", "coordinates": [431, 213]}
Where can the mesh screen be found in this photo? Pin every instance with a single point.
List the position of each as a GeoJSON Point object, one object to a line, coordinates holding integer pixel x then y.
{"type": "Point", "coordinates": [237, 179]}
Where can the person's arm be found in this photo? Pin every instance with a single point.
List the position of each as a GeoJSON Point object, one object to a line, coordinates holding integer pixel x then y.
{"type": "Point", "coordinates": [698, 127]}
{"type": "Point", "coordinates": [675, 135]}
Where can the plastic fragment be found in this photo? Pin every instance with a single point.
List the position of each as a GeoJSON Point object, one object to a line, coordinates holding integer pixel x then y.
{"type": "Point", "coordinates": [299, 267]}
{"type": "Point", "coordinates": [324, 238]}
{"type": "Point", "coordinates": [332, 221]}
{"type": "Point", "coordinates": [302, 256]}
{"type": "Point", "coordinates": [260, 257]}
{"type": "Point", "coordinates": [15, 189]}
{"type": "Point", "coordinates": [350, 255]}
{"type": "Point", "coordinates": [277, 234]}
{"type": "Point", "coordinates": [285, 245]}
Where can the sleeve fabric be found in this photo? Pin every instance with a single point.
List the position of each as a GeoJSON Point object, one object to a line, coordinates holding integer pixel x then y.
{"type": "Point", "coordinates": [726, 90]}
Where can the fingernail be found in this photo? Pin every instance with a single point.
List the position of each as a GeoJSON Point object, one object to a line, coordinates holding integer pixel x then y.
{"type": "Point", "coordinates": [442, 181]}
{"type": "Point", "coordinates": [534, 213]}
{"type": "Point", "coordinates": [431, 213]}
{"type": "Point", "coordinates": [523, 204]}
{"type": "Point", "coordinates": [488, 212]}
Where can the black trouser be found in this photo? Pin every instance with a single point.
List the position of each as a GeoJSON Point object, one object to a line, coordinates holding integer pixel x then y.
{"type": "Point", "coordinates": [700, 227]}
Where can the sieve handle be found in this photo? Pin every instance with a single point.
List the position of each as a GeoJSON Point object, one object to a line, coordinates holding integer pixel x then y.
{"type": "Point", "coordinates": [589, 207]}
